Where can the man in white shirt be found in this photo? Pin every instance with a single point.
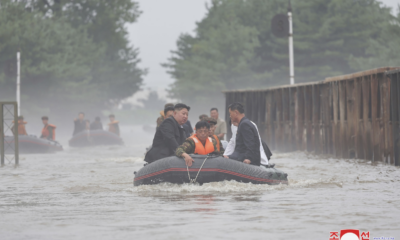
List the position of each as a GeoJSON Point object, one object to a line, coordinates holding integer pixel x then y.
{"type": "Point", "coordinates": [232, 143]}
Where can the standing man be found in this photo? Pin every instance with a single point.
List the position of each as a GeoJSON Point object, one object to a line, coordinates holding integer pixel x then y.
{"type": "Point", "coordinates": [96, 125]}
{"type": "Point", "coordinates": [113, 125]}
{"type": "Point", "coordinates": [169, 135]}
{"type": "Point", "coordinates": [79, 124]}
{"type": "Point", "coordinates": [247, 148]}
{"type": "Point", "coordinates": [49, 130]}
{"type": "Point", "coordinates": [162, 116]}
{"type": "Point", "coordinates": [220, 131]}
{"type": "Point", "coordinates": [21, 126]}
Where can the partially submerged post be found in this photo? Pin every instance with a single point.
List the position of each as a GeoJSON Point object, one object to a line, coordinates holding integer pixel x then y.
{"type": "Point", "coordinates": [8, 114]}
{"type": "Point", "coordinates": [291, 54]}
{"type": "Point", "coordinates": [18, 82]}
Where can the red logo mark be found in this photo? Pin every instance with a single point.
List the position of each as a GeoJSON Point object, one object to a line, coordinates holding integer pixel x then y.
{"type": "Point", "coordinates": [334, 236]}
{"type": "Point", "coordinates": [349, 234]}
{"type": "Point", "coordinates": [365, 236]}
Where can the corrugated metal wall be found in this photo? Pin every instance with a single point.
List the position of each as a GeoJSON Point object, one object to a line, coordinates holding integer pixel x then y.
{"type": "Point", "coordinates": [351, 116]}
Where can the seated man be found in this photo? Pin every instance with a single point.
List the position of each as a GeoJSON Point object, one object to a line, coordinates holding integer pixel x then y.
{"type": "Point", "coordinates": [49, 130]}
{"type": "Point", "coordinates": [79, 124]}
{"type": "Point", "coordinates": [96, 125]}
{"type": "Point", "coordinates": [113, 125]}
{"type": "Point", "coordinates": [213, 126]}
{"type": "Point", "coordinates": [247, 147]}
{"type": "Point", "coordinates": [169, 135]}
{"type": "Point", "coordinates": [21, 126]}
{"type": "Point", "coordinates": [200, 143]}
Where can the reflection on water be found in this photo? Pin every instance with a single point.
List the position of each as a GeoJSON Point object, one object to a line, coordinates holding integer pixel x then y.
{"type": "Point", "coordinates": [89, 194]}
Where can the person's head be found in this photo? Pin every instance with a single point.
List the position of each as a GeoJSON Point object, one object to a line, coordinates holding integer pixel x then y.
{"type": "Point", "coordinates": [97, 119]}
{"type": "Point", "coordinates": [202, 117]}
{"type": "Point", "coordinates": [202, 130]}
{"type": "Point", "coordinates": [45, 120]}
{"type": "Point", "coordinates": [236, 112]}
{"type": "Point", "coordinates": [21, 118]}
{"type": "Point", "coordinates": [168, 105]}
{"type": "Point", "coordinates": [213, 125]}
{"type": "Point", "coordinates": [111, 117]}
{"type": "Point", "coordinates": [181, 113]}
{"type": "Point", "coordinates": [168, 112]}
{"type": "Point", "coordinates": [81, 116]}
{"type": "Point", "coordinates": [214, 113]}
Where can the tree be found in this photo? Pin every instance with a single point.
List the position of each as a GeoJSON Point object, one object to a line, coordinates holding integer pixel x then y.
{"type": "Point", "coordinates": [74, 54]}
{"type": "Point", "coordinates": [234, 48]}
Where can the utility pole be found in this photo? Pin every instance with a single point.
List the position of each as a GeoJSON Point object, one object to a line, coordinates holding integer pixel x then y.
{"type": "Point", "coordinates": [291, 55]}
{"type": "Point", "coordinates": [18, 82]}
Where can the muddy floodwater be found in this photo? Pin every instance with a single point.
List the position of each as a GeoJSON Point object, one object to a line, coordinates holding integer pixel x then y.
{"type": "Point", "coordinates": [88, 194]}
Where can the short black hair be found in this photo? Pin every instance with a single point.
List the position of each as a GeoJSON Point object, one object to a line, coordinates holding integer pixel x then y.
{"type": "Point", "coordinates": [236, 106]}
{"type": "Point", "coordinates": [202, 124]}
{"type": "Point", "coordinates": [181, 106]}
{"type": "Point", "coordinates": [212, 109]}
{"type": "Point", "coordinates": [45, 118]}
{"type": "Point", "coordinates": [81, 113]}
{"type": "Point", "coordinates": [167, 109]}
{"type": "Point", "coordinates": [97, 119]}
{"type": "Point", "coordinates": [111, 115]}
{"type": "Point", "coordinates": [168, 105]}
{"type": "Point", "coordinates": [21, 117]}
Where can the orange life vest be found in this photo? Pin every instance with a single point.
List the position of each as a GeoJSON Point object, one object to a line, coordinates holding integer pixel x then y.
{"type": "Point", "coordinates": [217, 139]}
{"type": "Point", "coordinates": [200, 148]}
{"type": "Point", "coordinates": [46, 132]}
{"type": "Point", "coordinates": [21, 128]}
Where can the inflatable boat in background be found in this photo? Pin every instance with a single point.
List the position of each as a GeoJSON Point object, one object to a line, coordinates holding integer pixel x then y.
{"type": "Point", "coordinates": [206, 169]}
{"type": "Point", "coordinates": [28, 144]}
{"type": "Point", "coordinates": [95, 138]}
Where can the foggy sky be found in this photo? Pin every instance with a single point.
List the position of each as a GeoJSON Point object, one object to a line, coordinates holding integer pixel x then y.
{"type": "Point", "coordinates": [158, 28]}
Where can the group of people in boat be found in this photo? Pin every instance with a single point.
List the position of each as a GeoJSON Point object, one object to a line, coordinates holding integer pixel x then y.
{"type": "Point", "coordinates": [81, 124]}
{"type": "Point", "coordinates": [48, 130]}
{"type": "Point", "coordinates": [173, 138]}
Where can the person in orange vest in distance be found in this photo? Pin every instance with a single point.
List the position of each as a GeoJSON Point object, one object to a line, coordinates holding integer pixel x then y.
{"type": "Point", "coordinates": [213, 126]}
{"type": "Point", "coordinates": [113, 125]}
{"type": "Point", "coordinates": [21, 126]}
{"type": "Point", "coordinates": [199, 143]}
{"type": "Point", "coordinates": [49, 130]}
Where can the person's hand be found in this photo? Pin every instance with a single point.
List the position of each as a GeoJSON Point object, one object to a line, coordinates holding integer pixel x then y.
{"type": "Point", "coordinates": [225, 156]}
{"type": "Point", "coordinates": [247, 161]}
{"type": "Point", "coordinates": [188, 159]}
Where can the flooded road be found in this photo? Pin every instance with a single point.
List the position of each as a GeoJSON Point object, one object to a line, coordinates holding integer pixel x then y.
{"type": "Point", "coordinates": [88, 194]}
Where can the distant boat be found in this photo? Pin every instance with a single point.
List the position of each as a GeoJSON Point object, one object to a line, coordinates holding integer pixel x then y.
{"type": "Point", "coordinates": [28, 144]}
{"type": "Point", "coordinates": [95, 138]}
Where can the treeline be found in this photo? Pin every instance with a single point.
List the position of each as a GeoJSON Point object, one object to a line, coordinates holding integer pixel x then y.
{"type": "Point", "coordinates": [234, 47]}
{"type": "Point", "coordinates": [75, 54]}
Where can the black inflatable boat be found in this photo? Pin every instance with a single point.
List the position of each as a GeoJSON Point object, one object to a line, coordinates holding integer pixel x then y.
{"type": "Point", "coordinates": [95, 138]}
{"type": "Point", "coordinates": [31, 144]}
{"type": "Point", "coordinates": [206, 169]}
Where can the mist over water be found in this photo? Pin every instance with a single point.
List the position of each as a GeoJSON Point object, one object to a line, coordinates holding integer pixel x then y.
{"type": "Point", "coordinates": [88, 194]}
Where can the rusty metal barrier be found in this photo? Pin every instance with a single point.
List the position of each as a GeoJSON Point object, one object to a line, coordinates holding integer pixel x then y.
{"type": "Point", "coordinates": [350, 116]}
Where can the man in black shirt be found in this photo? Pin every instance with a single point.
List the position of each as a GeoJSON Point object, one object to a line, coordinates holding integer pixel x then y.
{"type": "Point", "coordinates": [79, 124]}
{"type": "Point", "coordinates": [247, 149]}
{"type": "Point", "coordinates": [169, 135]}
